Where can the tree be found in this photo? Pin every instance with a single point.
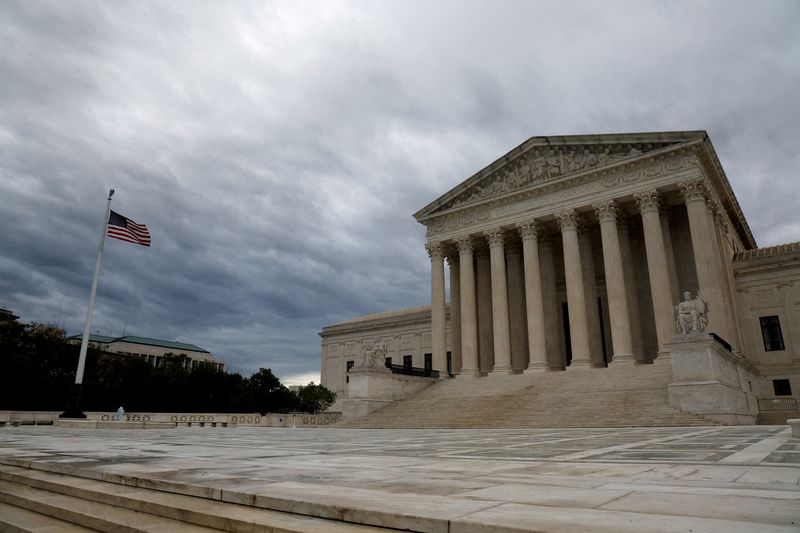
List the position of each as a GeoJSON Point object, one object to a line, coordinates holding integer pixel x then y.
{"type": "Point", "coordinates": [315, 398]}
{"type": "Point", "coordinates": [268, 395]}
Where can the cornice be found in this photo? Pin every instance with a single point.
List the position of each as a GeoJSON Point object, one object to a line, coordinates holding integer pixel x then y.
{"type": "Point", "coordinates": [617, 168]}
{"type": "Point", "coordinates": [625, 173]}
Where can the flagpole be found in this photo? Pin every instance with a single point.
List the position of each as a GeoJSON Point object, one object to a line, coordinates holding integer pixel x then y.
{"type": "Point", "coordinates": [76, 412]}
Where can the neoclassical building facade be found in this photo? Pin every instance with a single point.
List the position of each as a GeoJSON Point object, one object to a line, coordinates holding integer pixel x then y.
{"type": "Point", "coordinates": [572, 252]}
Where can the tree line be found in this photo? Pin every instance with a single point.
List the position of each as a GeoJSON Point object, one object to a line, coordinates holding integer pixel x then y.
{"type": "Point", "coordinates": [38, 374]}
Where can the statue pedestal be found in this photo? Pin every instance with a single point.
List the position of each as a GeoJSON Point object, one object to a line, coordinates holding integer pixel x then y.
{"type": "Point", "coordinates": [372, 388]}
{"type": "Point", "coordinates": [711, 381]}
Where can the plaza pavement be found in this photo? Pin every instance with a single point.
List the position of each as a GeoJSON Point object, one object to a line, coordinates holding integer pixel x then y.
{"type": "Point", "coordinates": [720, 479]}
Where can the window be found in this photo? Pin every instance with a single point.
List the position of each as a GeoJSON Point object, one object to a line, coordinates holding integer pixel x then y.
{"type": "Point", "coordinates": [349, 366]}
{"type": "Point", "coordinates": [450, 363]}
{"type": "Point", "coordinates": [782, 387]}
{"type": "Point", "coordinates": [428, 363]}
{"type": "Point", "coordinates": [771, 333]}
{"type": "Point", "coordinates": [407, 362]}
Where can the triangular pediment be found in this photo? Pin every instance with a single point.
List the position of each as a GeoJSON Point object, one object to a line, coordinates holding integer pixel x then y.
{"type": "Point", "coordinates": [543, 160]}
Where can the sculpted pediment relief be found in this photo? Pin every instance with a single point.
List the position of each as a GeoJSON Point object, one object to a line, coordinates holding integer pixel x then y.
{"type": "Point", "coordinates": [542, 164]}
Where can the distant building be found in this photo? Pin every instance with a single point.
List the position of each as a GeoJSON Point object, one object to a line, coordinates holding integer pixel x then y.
{"type": "Point", "coordinates": [153, 351]}
{"type": "Point", "coordinates": [7, 316]}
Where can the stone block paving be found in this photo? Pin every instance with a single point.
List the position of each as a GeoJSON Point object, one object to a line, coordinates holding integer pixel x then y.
{"type": "Point", "coordinates": [629, 479]}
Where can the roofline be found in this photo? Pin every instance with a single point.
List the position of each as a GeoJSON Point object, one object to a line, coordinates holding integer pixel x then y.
{"type": "Point", "coordinates": [156, 343]}
{"type": "Point", "coordinates": [595, 138]}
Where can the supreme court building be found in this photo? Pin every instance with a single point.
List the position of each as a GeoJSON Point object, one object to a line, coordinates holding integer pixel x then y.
{"type": "Point", "coordinates": [572, 252]}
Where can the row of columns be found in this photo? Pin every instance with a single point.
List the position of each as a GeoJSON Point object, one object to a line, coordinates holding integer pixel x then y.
{"type": "Point", "coordinates": [539, 286]}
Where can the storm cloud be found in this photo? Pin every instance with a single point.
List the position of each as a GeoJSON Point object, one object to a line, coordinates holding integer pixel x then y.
{"type": "Point", "coordinates": [276, 150]}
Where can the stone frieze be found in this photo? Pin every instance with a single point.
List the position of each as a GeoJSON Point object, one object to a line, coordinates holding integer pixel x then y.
{"type": "Point", "coordinates": [542, 164]}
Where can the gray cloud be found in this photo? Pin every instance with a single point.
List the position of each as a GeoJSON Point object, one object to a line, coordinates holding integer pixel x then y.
{"type": "Point", "coordinates": [277, 150]}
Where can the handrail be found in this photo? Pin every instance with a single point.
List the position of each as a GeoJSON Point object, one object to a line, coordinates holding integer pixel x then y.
{"type": "Point", "coordinates": [413, 371]}
{"type": "Point", "coordinates": [777, 404]}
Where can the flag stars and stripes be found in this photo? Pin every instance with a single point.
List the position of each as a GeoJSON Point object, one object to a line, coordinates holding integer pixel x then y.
{"type": "Point", "coordinates": [125, 229]}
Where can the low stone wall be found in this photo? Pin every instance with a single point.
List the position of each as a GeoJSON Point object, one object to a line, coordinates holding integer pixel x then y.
{"type": "Point", "coordinates": [372, 388]}
{"type": "Point", "coordinates": [17, 418]}
{"type": "Point", "coordinates": [711, 381]}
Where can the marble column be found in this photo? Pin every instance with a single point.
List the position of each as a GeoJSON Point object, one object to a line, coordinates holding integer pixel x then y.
{"type": "Point", "coordinates": [576, 298]}
{"type": "Point", "coordinates": [590, 293]}
{"type": "Point", "coordinates": [455, 311]}
{"type": "Point", "coordinates": [501, 333]}
{"type": "Point", "coordinates": [649, 203]}
{"type": "Point", "coordinates": [552, 307]}
{"type": "Point", "coordinates": [469, 326]}
{"type": "Point", "coordinates": [534, 299]}
{"type": "Point", "coordinates": [438, 324]}
{"type": "Point", "coordinates": [706, 257]}
{"type": "Point", "coordinates": [631, 290]}
{"type": "Point", "coordinates": [483, 302]}
{"type": "Point", "coordinates": [515, 281]}
{"type": "Point", "coordinates": [619, 314]}
{"type": "Point", "coordinates": [671, 266]}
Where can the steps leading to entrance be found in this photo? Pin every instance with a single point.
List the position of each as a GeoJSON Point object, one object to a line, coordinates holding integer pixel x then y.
{"type": "Point", "coordinates": [604, 397]}
{"type": "Point", "coordinates": [33, 500]}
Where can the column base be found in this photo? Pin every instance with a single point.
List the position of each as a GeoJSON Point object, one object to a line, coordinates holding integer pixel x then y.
{"type": "Point", "coordinates": [581, 364]}
{"type": "Point", "coordinates": [663, 358]}
{"type": "Point", "coordinates": [623, 359]}
{"type": "Point", "coordinates": [535, 368]}
{"type": "Point", "coordinates": [503, 370]}
{"type": "Point", "coordinates": [469, 373]}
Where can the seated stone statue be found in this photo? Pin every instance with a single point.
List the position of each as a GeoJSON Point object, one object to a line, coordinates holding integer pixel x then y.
{"type": "Point", "coordinates": [377, 354]}
{"type": "Point", "coordinates": [691, 314]}
{"type": "Point", "coordinates": [120, 414]}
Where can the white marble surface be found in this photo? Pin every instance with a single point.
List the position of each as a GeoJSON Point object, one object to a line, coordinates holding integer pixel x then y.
{"type": "Point", "coordinates": [635, 479]}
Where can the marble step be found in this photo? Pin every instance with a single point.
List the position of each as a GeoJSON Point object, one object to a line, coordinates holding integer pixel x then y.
{"type": "Point", "coordinates": [91, 514]}
{"type": "Point", "coordinates": [102, 504]}
{"type": "Point", "coordinates": [18, 520]}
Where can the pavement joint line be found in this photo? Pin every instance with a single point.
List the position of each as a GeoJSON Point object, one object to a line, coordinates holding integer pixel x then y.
{"type": "Point", "coordinates": [755, 453]}
{"type": "Point", "coordinates": [618, 447]}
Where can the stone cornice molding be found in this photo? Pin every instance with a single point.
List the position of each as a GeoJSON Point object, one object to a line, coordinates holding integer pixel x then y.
{"type": "Point", "coordinates": [435, 251]}
{"type": "Point", "coordinates": [681, 152]}
{"type": "Point", "coordinates": [680, 159]}
{"type": "Point", "coordinates": [528, 229]}
{"type": "Point", "coordinates": [648, 201]}
{"type": "Point", "coordinates": [606, 211]}
{"type": "Point", "coordinates": [622, 152]}
{"type": "Point", "coordinates": [568, 219]}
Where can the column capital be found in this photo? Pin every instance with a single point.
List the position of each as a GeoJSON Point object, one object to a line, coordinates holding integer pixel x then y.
{"type": "Point", "coordinates": [693, 190]}
{"type": "Point", "coordinates": [567, 219]}
{"type": "Point", "coordinates": [528, 229]}
{"type": "Point", "coordinates": [495, 237]}
{"type": "Point", "coordinates": [606, 210]}
{"type": "Point", "coordinates": [464, 244]}
{"type": "Point", "coordinates": [435, 251]}
{"type": "Point", "coordinates": [648, 201]}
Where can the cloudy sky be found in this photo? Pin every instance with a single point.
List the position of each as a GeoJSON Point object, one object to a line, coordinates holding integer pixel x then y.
{"type": "Point", "coordinates": [276, 150]}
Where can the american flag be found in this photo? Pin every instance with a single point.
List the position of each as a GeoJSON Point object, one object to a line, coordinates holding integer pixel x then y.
{"type": "Point", "coordinates": [127, 230]}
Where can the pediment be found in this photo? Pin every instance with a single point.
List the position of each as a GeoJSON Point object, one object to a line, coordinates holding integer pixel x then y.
{"type": "Point", "coordinates": [544, 160]}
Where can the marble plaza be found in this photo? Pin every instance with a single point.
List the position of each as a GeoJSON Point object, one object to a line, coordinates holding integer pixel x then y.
{"type": "Point", "coordinates": [700, 479]}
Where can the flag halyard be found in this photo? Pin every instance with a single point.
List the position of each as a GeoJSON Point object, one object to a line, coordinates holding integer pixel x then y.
{"type": "Point", "coordinates": [125, 229]}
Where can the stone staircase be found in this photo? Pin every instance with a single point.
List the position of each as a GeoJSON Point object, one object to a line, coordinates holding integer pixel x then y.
{"type": "Point", "coordinates": [604, 397]}
{"type": "Point", "coordinates": [39, 501]}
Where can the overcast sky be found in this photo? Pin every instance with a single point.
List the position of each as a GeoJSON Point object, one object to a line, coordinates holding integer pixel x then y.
{"type": "Point", "coordinates": [276, 150]}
